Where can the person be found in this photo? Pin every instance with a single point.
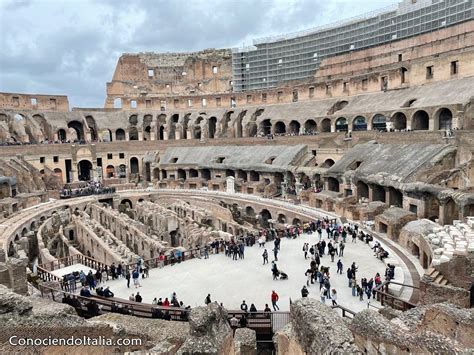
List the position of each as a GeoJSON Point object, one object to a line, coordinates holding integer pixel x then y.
{"type": "Point", "coordinates": [305, 250]}
{"type": "Point", "coordinates": [131, 297]}
{"type": "Point", "coordinates": [244, 306]}
{"type": "Point", "coordinates": [138, 297]}
{"type": "Point", "coordinates": [85, 292]}
{"type": "Point", "coordinates": [166, 302]}
{"type": "Point", "coordinates": [127, 277]}
{"type": "Point", "coordinates": [265, 257]}
{"type": "Point", "coordinates": [155, 301]}
{"type": "Point", "coordinates": [234, 322]}
{"type": "Point", "coordinates": [275, 299]}
{"type": "Point", "coordinates": [304, 292]}
{"type": "Point", "coordinates": [322, 294]}
{"type": "Point", "coordinates": [341, 248]}
{"type": "Point", "coordinates": [339, 267]}
{"type": "Point", "coordinates": [275, 253]}
{"type": "Point", "coordinates": [136, 278]}
{"type": "Point", "coordinates": [243, 321]}
{"type": "Point", "coordinates": [208, 299]}
{"type": "Point", "coordinates": [275, 271]}
{"type": "Point", "coordinates": [309, 276]}
{"type": "Point", "coordinates": [334, 297]}
{"type": "Point", "coordinates": [267, 310]}
{"type": "Point", "coordinates": [253, 310]}
{"type": "Point", "coordinates": [108, 293]}
{"type": "Point", "coordinates": [354, 286]}
{"type": "Point", "coordinates": [206, 252]}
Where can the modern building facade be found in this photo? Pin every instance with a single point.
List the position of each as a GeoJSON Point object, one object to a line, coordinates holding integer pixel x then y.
{"type": "Point", "coordinates": [272, 61]}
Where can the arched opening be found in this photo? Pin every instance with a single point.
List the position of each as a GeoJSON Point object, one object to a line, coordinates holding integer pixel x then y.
{"type": "Point", "coordinates": [120, 134]}
{"type": "Point", "coordinates": [333, 184]}
{"type": "Point", "coordinates": [281, 218]}
{"type": "Point", "coordinates": [106, 135]}
{"type": "Point", "coordinates": [266, 127]}
{"type": "Point", "coordinates": [92, 127]}
{"type": "Point", "coordinates": [249, 211]}
{"type": "Point", "coordinates": [362, 190]}
{"type": "Point", "coordinates": [212, 127]}
{"type": "Point", "coordinates": [147, 133]}
{"type": "Point", "coordinates": [110, 172]}
{"type": "Point", "coordinates": [280, 127]}
{"type": "Point", "coordinates": [78, 127]}
{"type": "Point", "coordinates": [118, 102]}
{"type": "Point", "coordinates": [206, 174]}
{"type": "Point", "coordinates": [468, 210]}
{"type": "Point", "coordinates": [156, 174]}
{"type": "Point", "coordinates": [11, 249]}
{"type": "Point", "coordinates": [341, 124]}
{"type": "Point", "coordinates": [359, 124]}
{"type": "Point", "coordinates": [326, 125]}
{"type": "Point", "coordinates": [296, 222]}
{"type": "Point", "coordinates": [445, 119]}
{"type": "Point", "coordinates": [379, 123]}
{"type": "Point", "coordinates": [378, 193]}
{"type": "Point", "coordinates": [133, 120]}
{"type": "Point", "coordinates": [266, 216]}
{"type": "Point", "coordinates": [295, 128]}
{"type": "Point", "coordinates": [84, 168]}
{"type": "Point", "coordinates": [127, 202]}
{"type": "Point", "coordinates": [122, 171]}
{"type": "Point", "coordinates": [147, 172]}
{"type": "Point", "coordinates": [172, 130]}
{"type": "Point", "coordinates": [399, 121]}
{"type": "Point", "coordinates": [310, 127]}
{"type": "Point", "coordinates": [181, 174]}
{"type": "Point", "coordinates": [133, 133]}
{"type": "Point", "coordinates": [229, 172]}
{"type": "Point", "coordinates": [164, 174]}
{"type": "Point", "coordinates": [162, 133]}
{"type": "Point", "coordinates": [197, 128]}
{"type": "Point", "coordinates": [421, 121]}
{"type": "Point", "coordinates": [193, 173]}
{"type": "Point", "coordinates": [327, 163]}
{"type": "Point", "coordinates": [59, 173]}
{"type": "Point", "coordinates": [62, 135]}
{"type": "Point", "coordinates": [395, 197]}
{"type": "Point", "coordinates": [254, 175]}
{"type": "Point", "coordinates": [134, 166]}
{"type": "Point", "coordinates": [451, 211]}
{"type": "Point", "coordinates": [174, 239]}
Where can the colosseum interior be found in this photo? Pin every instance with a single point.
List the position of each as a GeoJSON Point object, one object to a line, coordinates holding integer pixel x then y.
{"type": "Point", "coordinates": [191, 151]}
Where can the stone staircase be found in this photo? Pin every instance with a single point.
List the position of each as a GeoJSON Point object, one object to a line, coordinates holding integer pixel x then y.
{"type": "Point", "coordinates": [436, 276]}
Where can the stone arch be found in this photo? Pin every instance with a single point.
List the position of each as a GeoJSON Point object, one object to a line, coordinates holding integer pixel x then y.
{"type": "Point", "coordinates": [133, 133]}
{"type": "Point", "coordinates": [294, 127]}
{"type": "Point", "coordinates": [206, 174]}
{"type": "Point", "coordinates": [281, 218]}
{"type": "Point", "coordinates": [443, 119]}
{"type": "Point", "coordinates": [134, 167]}
{"type": "Point", "coordinates": [398, 121]}
{"type": "Point", "coordinates": [147, 171]}
{"type": "Point", "coordinates": [147, 133]}
{"type": "Point", "coordinates": [133, 120]}
{"type": "Point", "coordinates": [59, 173]}
{"type": "Point", "coordinates": [156, 174]}
{"type": "Point", "coordinates": [62, 135]}
{"type": "Point", "coordinates": [193, 173]}
{"type": "Point", "coordinates": [265, 127]}
{"type": "Point", "coordinates": [110, 172]}
{"type": "Point", "coordinates": [379, 122]}
{"type": "Point", "coordinates": [328, 163]}
{"type": "Point", "coordinates": [5, 190]}
{"type": "Point", "coordinates": [296, 222]}
{"type": "Point", "coordinates": [120, 134]}
{"type": "Point", "coordinates": [362, 190]}
{"type": "Point", "coordinates": [341, 125]}
{"type": "Point", "coordinates": [451, 211]}
{"type": "Point", "coordinates": [326, 125]}
{"type": "Point", "coordinates": [127, 202]}
{"type": "Point", "coordinates": [212, 126]}
{"type": "Point", "coordinates": [333, 184]}
{"type": "Point", "coordinates": [310, 126]}
{"type": "Point", "coordinates": [92, 127]}
{"type": "Point", "coordinates": [265, 217]}
{"type": "Point", "coordinates": [249, 211]}
{"type": "Point", "coordinates": [359, 124]}
{"type": "Point", "coordinates": [174, 119]}
{"type": "Point", "coordinates": [420, 121]}
{"type": "Point", "coordinates": [79, 128]}
{"type": "Point", "coordinates": [280, 127]}
{"type": "Point", "coordinates": [197, 134]}
{"type": "Point", "coordinates": [84, 170]}
{"type": "Point", "coordinates": [181, 174]}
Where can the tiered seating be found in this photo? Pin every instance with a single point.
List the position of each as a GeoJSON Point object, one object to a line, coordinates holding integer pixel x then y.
{"type": "Point", "coordinates": [448, 240]}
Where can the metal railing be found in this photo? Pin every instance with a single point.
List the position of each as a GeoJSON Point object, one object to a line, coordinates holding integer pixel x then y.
{"type": "Point", "coordinates": [385, 298]}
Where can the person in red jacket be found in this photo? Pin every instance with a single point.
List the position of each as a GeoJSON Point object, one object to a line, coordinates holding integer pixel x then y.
{"type": "Point", "coordinates": [275, 299]}
{"type": "Point", "coordinates": [166, 303]}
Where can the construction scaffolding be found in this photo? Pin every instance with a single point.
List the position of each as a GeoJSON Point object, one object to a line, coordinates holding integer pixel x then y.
{"type": "Point", "coordinates": [273, 60]}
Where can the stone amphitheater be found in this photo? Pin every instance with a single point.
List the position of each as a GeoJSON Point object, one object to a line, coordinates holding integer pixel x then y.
{"type": "Point", "coordinates": [187, 154]}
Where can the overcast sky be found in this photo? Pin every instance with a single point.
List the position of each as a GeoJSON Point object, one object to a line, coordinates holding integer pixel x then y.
{"type": "Point", "coordinates": [71, 46]}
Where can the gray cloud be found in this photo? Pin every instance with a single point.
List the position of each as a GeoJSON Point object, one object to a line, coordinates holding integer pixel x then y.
{"type": "Point", "coordinates": [71, 47]}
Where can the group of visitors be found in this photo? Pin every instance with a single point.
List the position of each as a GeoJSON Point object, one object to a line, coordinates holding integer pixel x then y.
{"type": "Point", "coordinates": [91, 187]}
